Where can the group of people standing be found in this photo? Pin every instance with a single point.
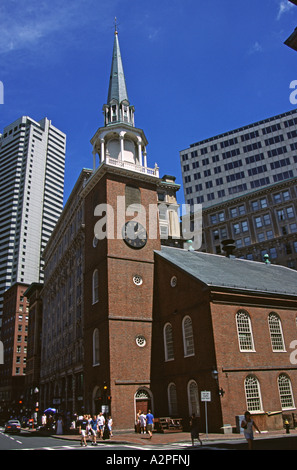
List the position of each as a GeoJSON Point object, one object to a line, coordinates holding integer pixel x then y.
{"type": "Point", "coordinates": [145, 423]}
{"type": "Point", "coordinates": [96, 426]}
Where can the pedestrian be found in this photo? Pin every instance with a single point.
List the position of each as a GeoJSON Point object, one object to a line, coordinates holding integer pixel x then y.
{"type": "Point", "coordinates": [247, 424]}
{"type": "Point", "coordinates": [59, 425]}
{"type": "Point", "coordinates": [94, 429]}
{"type": "Point", "coordinates": [83, 429]}
{"type": "Point", "coordinates": [194, 428]}
{"type": "Point", "coordinates": [142, 419]}
{"type": "Point", "coordinates": [150, 423]}
{"type": "Point", "coordinates": [138, 421]}
{"type": "Point", "coordinates": [101, 422]}
{"type": "Point", "coordinates": [109, 424]}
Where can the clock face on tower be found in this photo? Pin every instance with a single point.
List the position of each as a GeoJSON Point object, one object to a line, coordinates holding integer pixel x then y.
{"type": "Point", "coordinates": [134, 234]}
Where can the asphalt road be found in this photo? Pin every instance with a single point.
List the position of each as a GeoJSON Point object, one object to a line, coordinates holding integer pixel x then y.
{"type": "Point", "coordinates": [29, 441]}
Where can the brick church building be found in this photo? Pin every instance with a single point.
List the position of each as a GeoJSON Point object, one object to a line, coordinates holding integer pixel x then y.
{"type": "Point", "coordinates": [133, 321]}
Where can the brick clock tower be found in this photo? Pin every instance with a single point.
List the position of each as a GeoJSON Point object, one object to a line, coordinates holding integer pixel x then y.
{"type": "Point", "coordinates": [119, 261]}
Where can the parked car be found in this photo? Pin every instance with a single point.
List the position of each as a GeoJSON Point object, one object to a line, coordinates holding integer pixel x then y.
{"type": "Point", "coordinates": [13, 426]}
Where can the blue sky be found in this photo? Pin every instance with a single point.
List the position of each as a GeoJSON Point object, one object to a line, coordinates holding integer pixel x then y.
{"type": "Point", "coordinates": [193, 68]}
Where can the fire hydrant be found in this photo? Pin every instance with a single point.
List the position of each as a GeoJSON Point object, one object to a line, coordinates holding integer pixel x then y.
{"type": "Point", "coordinates": [287, 426]}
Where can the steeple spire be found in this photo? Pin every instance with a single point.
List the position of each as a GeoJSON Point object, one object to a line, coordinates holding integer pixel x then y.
{"type": "Point", "coordinates": [117, 84]}
{"type": "Point", "coordinates": [119, 142]}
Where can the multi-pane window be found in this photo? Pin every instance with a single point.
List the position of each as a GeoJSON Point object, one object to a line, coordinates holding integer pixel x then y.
{"type": "Point", "coordinates": [172, 400]}
{"type": "Point", "coordinates": [168, 342]}
{"type": "Point", "coordinates": [95, 286]}
{"type": "Point", "coordinates": [96, 347]}
{"type": "Point", "coordinates": [244, 331]}
{"type": "Point", "coordinates": [188, 337]}
{"type": "Point", "coordinates": [285, 392]}
{"type": "Point", "coordinates": [276, 334]}
{"type": "Point", "coordinates": [193, 398]}
{"type": "Point", "coordinates": [252, 393]}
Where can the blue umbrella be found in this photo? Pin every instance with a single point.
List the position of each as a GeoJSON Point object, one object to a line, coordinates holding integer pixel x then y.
{"type": "Point", "coordinates": [50, 410]}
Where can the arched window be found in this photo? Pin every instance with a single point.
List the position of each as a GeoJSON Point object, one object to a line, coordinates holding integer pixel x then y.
{"type": "Point", "coordinates": [244, 331]}
{"type": "Point", "coordinates": [168, 342]}
{"type": "Point", "coordinates": [96, 356]}
{"type": "Point", "coordinates": [252, 393]}
{"type": "Point", "coordinates": [276, 333]}
{"type": "Point", "coordinates": [172, 400]}
{"type": "Point", "coordinates": [285, 392]}
{"type": "Point", "coordinates": [188, 337]}
{"type": "Point", "coordinates": [193, 398]}
{"type": "Point", "coordinates": [95, 287]}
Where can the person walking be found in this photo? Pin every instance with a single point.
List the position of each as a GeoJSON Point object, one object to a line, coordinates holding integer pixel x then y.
{"type": "Point", "coordinates": [59, 425]}
{"type": "Point", "coordinates": [150, 423]}
{"type": "Point", "coordinates": [194, 428]}
{"type": "Point", "coordinates": [248, 424]}
{"type": "Point", "coordinates": [142, 419]}
{"type": "Point", "coordinates": [94, 429]}
{"type": "Point", "coordinates": [83, 429]}
{"type": "Point", "coordinates": [109, 424]}
{"type": "Point", "coordinates": [101, 422]}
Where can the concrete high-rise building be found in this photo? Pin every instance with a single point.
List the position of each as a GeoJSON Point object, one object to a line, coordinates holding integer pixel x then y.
{"type": "Point", "coordinates": [32, 164]}
{"type": "Point", "coordinates": [237, 162]}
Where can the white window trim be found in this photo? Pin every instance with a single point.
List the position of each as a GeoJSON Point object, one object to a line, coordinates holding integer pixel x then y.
{"type": "Point", "coordinates": [96, 363]}
{"type": "Point", "coordinates": [95, 289]}
{"type": "Point", "coordinates": [167, 359]}
{"type": "Point", "coordinates": [250, 331]}
{"type": "Point", "coordinates": [186, 354]}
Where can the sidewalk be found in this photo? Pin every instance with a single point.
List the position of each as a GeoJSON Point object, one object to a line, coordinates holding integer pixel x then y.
{"type": "Point", "coordinates": [133, 438]}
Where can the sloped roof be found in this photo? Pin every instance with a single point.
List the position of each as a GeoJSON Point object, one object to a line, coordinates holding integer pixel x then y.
{"type": "Point", "coordinates": [220, 271]}
{"type": "Point", "coordinates": [117, 84]}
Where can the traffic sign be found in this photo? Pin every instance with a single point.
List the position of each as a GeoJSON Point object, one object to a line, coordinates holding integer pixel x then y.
{"type": "Point", "coordinates": [205, 396]}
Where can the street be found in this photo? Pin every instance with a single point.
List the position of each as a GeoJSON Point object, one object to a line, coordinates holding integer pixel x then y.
{"type": "Point", "coordinates": [27, 440]}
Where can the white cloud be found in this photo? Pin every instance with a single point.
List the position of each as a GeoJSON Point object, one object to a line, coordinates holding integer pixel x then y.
{"type": "Point", "coordinates": [284, 6]}
{"type": "Point", "coordinates": [25, 24]}
{"type": "Point", "coordinates": [256, 47]}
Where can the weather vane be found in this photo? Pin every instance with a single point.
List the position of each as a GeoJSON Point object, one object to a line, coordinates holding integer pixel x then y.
{"type": "Point", "coordinates": [115, 25]}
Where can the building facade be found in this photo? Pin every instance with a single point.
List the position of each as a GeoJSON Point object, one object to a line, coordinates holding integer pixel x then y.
{"type": "Point", "coordinates": [227, 326]}
{"type": "Point", "coordinates": [261, 223]}
{"type": "Point", "coordinates": [15, 341]}
{"type": "Point", "coordinates": [32, 162]}
{"type": "Point", "coordinates": [235, 163]}
{"type": "Point", "coordinates": [62, 350]}
{"type": "Point", "coordinates": [89, 276]}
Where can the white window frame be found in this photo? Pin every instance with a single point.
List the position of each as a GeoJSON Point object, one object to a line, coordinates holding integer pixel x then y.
{"type": "Point", "coordinates": [253, 394]}
{"type": "Point", "coordinates": [172, 399]}
{"type": "Point", "coordinates": [95, 287]}
{"type": "Point", "coordinates": [168, 342]}
{"type": "Point", "coordinates": [244, 332]}
{"type": "Point", "coordinates": [96, 349]}
{"type": "Point", "coordinates": [288, 392]}
{"type": "Point", "coordinates": [188, 337]}
{"type": "Point", "coordinates": [193, 398]}
{"type": "Point", "coordinates": [276, 333]}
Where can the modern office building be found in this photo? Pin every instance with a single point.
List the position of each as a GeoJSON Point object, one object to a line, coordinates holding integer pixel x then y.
{"type": "Point", "coordinates": [32, 162]}
{"type": "Point", "coordinates": [261, 223]}
{"type": "Point", "coordinates": [235, 163]}
{"type": "Point", "coordinates": [246, 181]}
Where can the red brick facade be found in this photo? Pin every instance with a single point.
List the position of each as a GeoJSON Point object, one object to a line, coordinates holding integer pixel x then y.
{"type": "Point", "coordinates": [124, 309]}
{"type": "Point", "coordinates": [216, 345]}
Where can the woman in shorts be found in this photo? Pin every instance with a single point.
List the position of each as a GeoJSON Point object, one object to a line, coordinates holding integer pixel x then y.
{"type": "Point", "coordinates": [247, 424]}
